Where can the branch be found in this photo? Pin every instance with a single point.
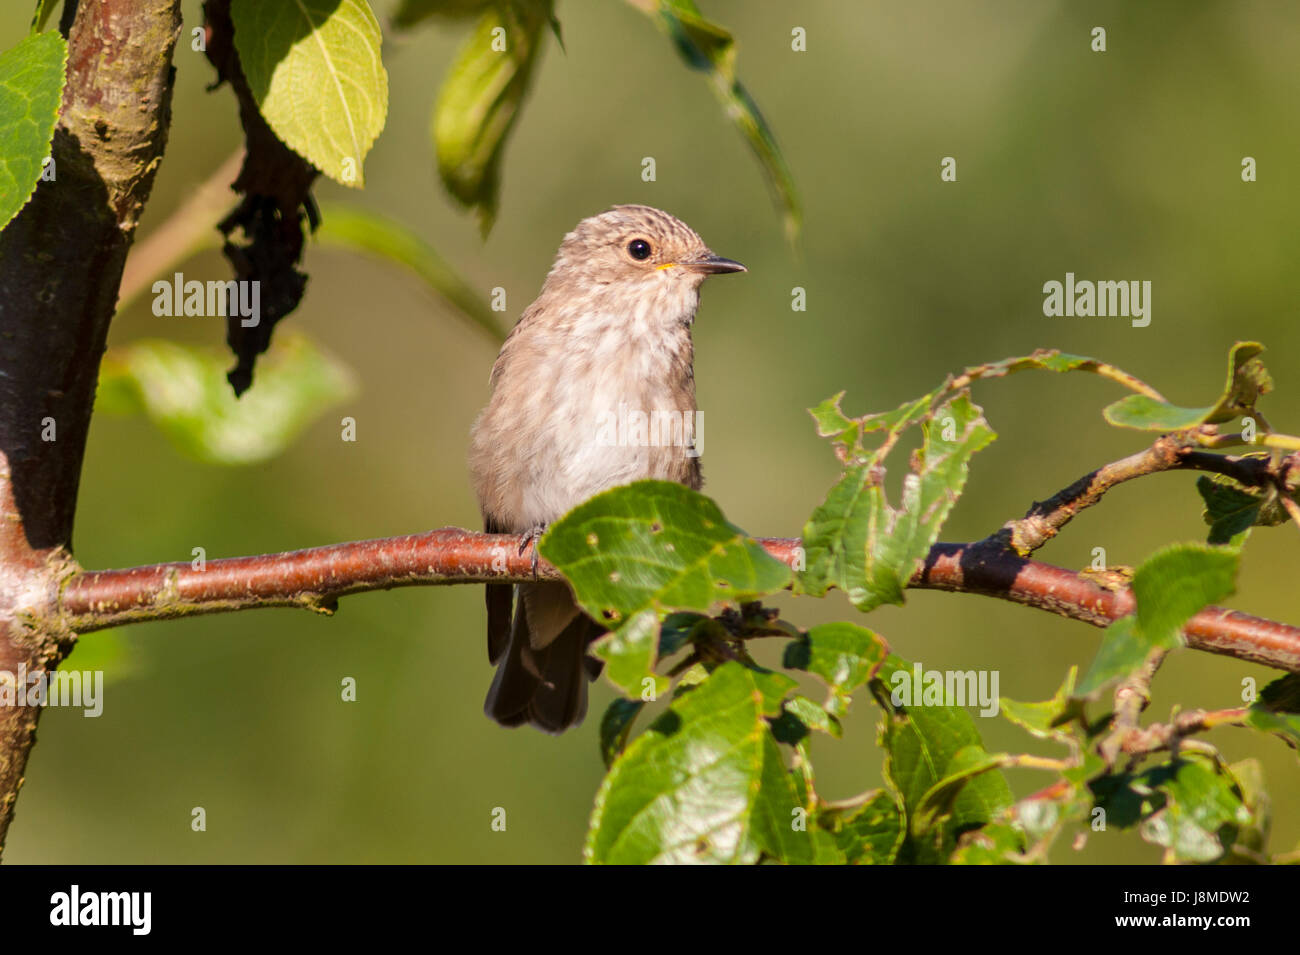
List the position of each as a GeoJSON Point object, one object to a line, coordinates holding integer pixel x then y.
{"type": "Point", "coordinates": [1171, 452]}
{"type": "Point", "coordinates": [315, 579]}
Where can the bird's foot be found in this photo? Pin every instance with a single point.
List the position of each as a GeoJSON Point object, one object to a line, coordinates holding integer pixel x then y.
{"type": "Point", "coordinates": [533, 535]}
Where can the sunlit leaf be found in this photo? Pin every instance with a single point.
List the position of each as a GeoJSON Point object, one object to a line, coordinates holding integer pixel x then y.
{"type": "Point", "coordinates": [315, 71]}
{"type": "Point", "coordinates": [31, 87]}
{"type": "Point", "coordinates": [844, 655]}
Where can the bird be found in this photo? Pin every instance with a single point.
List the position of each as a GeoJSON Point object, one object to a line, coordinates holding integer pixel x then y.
{"type": "Point", "coordinates": [609, 334]}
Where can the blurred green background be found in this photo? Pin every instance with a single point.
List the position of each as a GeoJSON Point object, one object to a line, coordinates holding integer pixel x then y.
{"type": "Point", "coordinates": [1117, 165]}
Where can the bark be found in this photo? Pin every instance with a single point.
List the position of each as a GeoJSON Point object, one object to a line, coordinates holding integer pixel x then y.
{"type": "Point", "coordinates": [61, 262]}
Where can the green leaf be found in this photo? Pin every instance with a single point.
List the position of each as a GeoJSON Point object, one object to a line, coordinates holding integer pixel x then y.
{"type": "Point", "coordinates": [810, 716]}
{"type": "Point", "coordinates": [1171, 587]}
{"type": "Point", "coordinates": [1232, 510]}
{"type": "Point", "coordinates": [1284, 725]}
{"type": "Point", "coordinates": [1046, 719]}
{"type": "Point", "coordinates": [830, 417]}
{"type": "Point", "coordinates": [649, 548]}
{"type": "Point", "coordinates": [1147, 414]}
{"type": "Point", "coordinates": [706, 783]}
{"type": "Point", "coordinates": [1247, 380]}
{"type": "Point", "coordinates": [1123, 648]}
{"type": "Point", "coordinates": [1277, 710]}
{"type": "Point", "coordinates": [939, 800]}
{"type": "Point", "coordinates": [1201, 810]}
{"type": "Point", "coordinates": [1228, 510]}
{"type": "Point", "coordinates": [1282, 695]}
{"type": "Point", "coordinates": [480, 100]}
{"type": "Point", "coordinates": [1176, 583]}
{"type": "Point", "coordinates": [314, 69]}
{"type": "Point", "coordinates": [707, 47]}
{"type": "Point", "coordinates": [847, 433]}
{"type": "Point", "coordinates": [41, 15]}
{"type": "Point", "coordinates": [857, 542]}
{"type": "Point", "coordinates": [871, 834]}
{"type": "Point", "coordinates": [996, 844]}
{"type": "Point", "coordinates": [31, 88]}
{"type": "Point", "coordinates": [630, 652]}
{"type": "Point", "coordinates": [924, 745]}
{"type": "Point", "coordinates": [362, 230]}
{"type": "Point", "coordinates": [616, 726]}
{"type": "Point", "coordinates": [1191, 805]}
{"type": "Point", "coordinates": [184, 392]}
{"type": "Point", "coordinates": [1248, 774]}
{"type": "Point", "coordinates": [844, 655]}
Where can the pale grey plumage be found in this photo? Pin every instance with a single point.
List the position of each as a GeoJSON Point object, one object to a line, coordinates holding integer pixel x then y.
{"type": "Point", "coordinates": [609, 329]}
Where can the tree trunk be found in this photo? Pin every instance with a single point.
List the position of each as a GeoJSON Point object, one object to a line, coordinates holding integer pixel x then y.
{"type": "Point", "coordinates": [61, 262]}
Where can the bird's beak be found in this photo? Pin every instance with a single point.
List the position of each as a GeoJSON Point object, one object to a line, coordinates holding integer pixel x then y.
{"type": "Point", "coordinates": [710, 264]}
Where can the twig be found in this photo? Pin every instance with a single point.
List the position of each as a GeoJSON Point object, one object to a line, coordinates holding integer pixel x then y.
{"type": "Point", "coordinates": [1161, 736]}
{"type": "Point", "coordinates": [1131, 698]}
{"type": "Point", "coordinates": [1171, 452]}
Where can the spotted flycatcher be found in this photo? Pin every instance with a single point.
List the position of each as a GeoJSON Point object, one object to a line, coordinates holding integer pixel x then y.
{"type": "Point", "coordinates": [608, 340]}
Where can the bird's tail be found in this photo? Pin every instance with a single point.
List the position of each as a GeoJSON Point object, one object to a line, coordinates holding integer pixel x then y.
{"type": "Point", "coordinates": [542, 671]}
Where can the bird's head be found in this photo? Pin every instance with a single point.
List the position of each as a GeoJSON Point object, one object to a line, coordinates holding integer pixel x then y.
{"type": "Point", "coordinates": [638, 249]}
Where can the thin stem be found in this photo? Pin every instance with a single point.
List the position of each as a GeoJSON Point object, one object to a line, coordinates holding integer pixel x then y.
{"type": "Point", "coordinates": [1171, 452]}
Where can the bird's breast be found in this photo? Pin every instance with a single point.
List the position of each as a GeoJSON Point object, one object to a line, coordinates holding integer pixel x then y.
{"type": "Point", "coordinates": [611, 402]}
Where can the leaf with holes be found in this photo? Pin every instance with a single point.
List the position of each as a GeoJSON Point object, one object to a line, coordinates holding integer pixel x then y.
{"type": "Point", "coordinates": [858, 542]}
{"type": "Point", "coordinates": [869, 834]}
{"type": "Point", "coordinates": [647, 549]}
{"type": "Point", "coordinates": [844, 655]}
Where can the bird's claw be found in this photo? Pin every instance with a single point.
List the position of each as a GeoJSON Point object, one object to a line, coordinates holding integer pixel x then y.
{"type": "Point", "coordinates": [533, 535]}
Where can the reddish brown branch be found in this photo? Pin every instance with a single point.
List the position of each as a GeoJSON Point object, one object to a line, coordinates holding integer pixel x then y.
{"type": "Point", "coordinates": [316, 578]}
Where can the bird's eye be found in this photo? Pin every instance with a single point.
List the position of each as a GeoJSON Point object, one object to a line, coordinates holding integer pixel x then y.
{"type": "Point", "coordinates": [639, 249]}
